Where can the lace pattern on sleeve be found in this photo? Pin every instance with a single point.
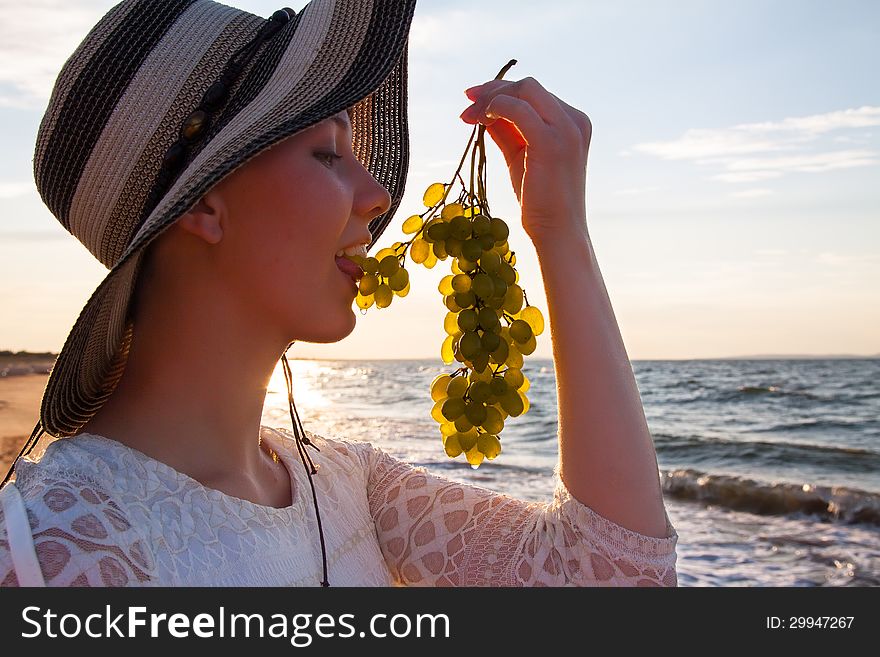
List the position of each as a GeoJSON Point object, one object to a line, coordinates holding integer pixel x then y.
{"type": "Point", "coordinates": [81, 536]}
{"type": "Point", "coordinates": [437, 532]}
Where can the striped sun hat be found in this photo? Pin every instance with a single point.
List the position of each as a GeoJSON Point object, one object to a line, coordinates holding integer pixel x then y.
{"type": "Point", "coordinates": [161, 100]}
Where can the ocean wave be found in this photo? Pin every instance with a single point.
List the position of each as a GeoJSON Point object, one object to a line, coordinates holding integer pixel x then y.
{"type": "Point", "coordinates": [708, 449]}
{"type": "Point", "coordinates": [830, 503]}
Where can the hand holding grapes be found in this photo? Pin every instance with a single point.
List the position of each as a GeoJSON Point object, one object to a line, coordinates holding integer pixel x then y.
{"type": "Point", "coordinates": [545, 143]}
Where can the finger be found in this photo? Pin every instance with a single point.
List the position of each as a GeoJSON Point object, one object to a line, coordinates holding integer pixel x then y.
{"type": "Point", "coordinates": [520, 113]}
{"type": "Point", "coordinates": [578, 118]}
{"type": "Point", "coordinates": [528, 89]}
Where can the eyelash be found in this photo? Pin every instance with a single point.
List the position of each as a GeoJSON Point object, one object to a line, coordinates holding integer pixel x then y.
{"type": "Point", "coordinates": [329, 156]}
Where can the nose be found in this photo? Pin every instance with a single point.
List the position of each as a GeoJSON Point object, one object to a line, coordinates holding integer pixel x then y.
{"type": "Point", "coordinates": [372, 199]}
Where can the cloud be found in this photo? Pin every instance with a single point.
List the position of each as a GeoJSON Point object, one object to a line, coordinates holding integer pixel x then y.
{"type": "Point", "coordinates": [753, 193]}
{"type": "Point", "coordinates": [12, 189]}
{"type": "Point", "coordinates": [36, 38]}
{"type": "Point", "coordinates": [750, 152]}
{"type": "Point", "coordinates": [635, 191]}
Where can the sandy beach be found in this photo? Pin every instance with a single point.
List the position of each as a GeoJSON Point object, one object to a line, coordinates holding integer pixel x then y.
{"type": "Point", "coordinates": [19, 410]}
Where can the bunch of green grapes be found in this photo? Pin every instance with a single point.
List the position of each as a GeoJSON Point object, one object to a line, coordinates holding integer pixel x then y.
{"type": "Point", "coordinates": [384, 276]}
{"type": "Point", "coordinates": [489, 323]}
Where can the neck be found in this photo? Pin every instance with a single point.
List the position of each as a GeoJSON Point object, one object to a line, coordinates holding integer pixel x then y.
{"type": "Point", "coordinates": [191, 395]}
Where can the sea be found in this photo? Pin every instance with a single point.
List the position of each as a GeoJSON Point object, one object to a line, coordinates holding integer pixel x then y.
{"type": "Point", "coordinates": [770, 468]}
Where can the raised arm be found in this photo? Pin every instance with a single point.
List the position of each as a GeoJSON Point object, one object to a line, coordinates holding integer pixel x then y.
{"type": "Point", "coordinates": [607, 457]}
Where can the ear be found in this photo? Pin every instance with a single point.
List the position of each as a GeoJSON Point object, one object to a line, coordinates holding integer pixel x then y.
{"type": "Point", "coordinates": [205, 219]}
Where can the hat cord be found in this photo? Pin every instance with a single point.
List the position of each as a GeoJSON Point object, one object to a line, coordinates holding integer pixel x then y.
{"type": "Point", "coordinates": [301, 440]}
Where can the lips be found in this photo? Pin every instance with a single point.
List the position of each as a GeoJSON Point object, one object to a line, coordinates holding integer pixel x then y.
{"type": "Point", "coordinates": [346, 266]}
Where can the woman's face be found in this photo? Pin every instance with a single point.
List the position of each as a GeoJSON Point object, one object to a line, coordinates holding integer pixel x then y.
{"type": "Point", "coordinates": [289, 211]}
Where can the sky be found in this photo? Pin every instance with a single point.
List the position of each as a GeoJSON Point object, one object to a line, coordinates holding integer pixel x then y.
{"type": "Point", "coordinates": [732, 183]}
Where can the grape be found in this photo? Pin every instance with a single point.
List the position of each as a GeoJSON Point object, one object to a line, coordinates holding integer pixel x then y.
{"type": "Point", "coordinates": [399, 280]}
{"type": "Point", "coordinates": [482, 286]}
{"type": "Point", "coordinates": [412, 224]}
{"type": "Point", "coordinates": [449, 302]}
{"type": "Point", "coordinates": [488, 319]}
{"type": "Point", "coordinates": [452, 446]}
{"type": "Point", "coordinates": [445, 285]}
{"type": "Point", "coordinates": [493, 423]}
{"type": "Point", "coordinates": [439, 249]}
{"type": "Point", "coordinates": [498, 229]}
{"type": "Point", "coordinates": [480, 391]}
{"type": "Point", "coordinates": [497, 386]}
{"type": "Point", "coordinates": [471, 249]}
{"type": "Point", "coordinates": [438, 232]}
{"type": "Point", "coordinates": [525, 401]}
{"type": "Point", "coordinates": [365, 302]}
{"type": "Point", "coordinates": [370, 266]}
{"type": "Point", "coordinates": [368, 284]}
{"type": "Point", "coordinates": [500, 286]}
{"type": "Point", "coordinates": [453, 407]}
{"type": "Point", "coordinates": [520, 331]}
{"type": "Point", "coordinates": [433, 195]}
{"type": "Point", "coordinates": [467, 439]}
{"type": "Point", "coordinates": [513, 377]}
{"type": "Point", "coordinates": [481, 361]}
{"type": "Point", "coordinates": [470, 344]}
{"type": "Point", "coordinates": [514, 358]}
{"type": "Point", "coordinates": [499, 356]}
{"type": "Point", "coordinates": [389, 265]}
{"type": "Point", "coordinates": [485, 377]}
{"type": "Point", "coordinates": [525, 385]}
{"type": "Point", "coordinates": [467, 320]}
{"type": "Point", "coordinates": [437, 412]}
{"type": "Point", "coordinates": [462, 423]}
{"type": "Point", "coordinates": [465, 299]}
{"type": "Point", "coordinates": [467, 266]}
{"type": "Point", "coordinates": [438, 387]}
{"type": "Point", "coordinates": [431, 260]}
{"type": "Point", "coordinates": [453, 246]}
{"type": "Point", "coordinates": [474, 456]}
{"type": "Point", "coordinates": [446, 351]}
{"type": "Point", "coordinates": [512, 403]}
{"type": "Point", "coordinates": [534, 318]}
{"type": "Point", "coordinates": [450, 323]}
{"type": "Point", "coordinates": [486, 242]}
{"type": "Point", "coordinates": [506, 273]}
{"type": "Point", "coordinates": [457, 386]}
{"type": "Point", "coordinates": [460, 228]}
{"type": "Point", "coordinates": [461, 282]}
{"type": "Point", "coordinates": [404, 291]}
{"type": "Point", "coordinates": [450, 211]}
{"type": "Point", "coordinates": [495, 302]}
{"type": "Point", "coordinates": [490, 262]}
{"type": "Point", "coordinates": [489, 445]}
{"type": "Point", "coordinates": [529, 346]}
{"type": "Point", "coordinates": [490, 341]}
{"type": "Point", "coordinates": [513, 299]}
{"type": "Point", "coordinates": [481, 225]}
{"type": "Point", "coordinates": [475, 412]}
{"type": "Point", "coordinates": [418, 251]}
{"type": "Point", "coordinates": [447, 429]}
{"type": "Point", "coordinates": [383, 296]}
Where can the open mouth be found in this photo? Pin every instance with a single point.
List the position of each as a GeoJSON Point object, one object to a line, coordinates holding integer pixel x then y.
{"type": "Point", "coordinates": [351, 269]}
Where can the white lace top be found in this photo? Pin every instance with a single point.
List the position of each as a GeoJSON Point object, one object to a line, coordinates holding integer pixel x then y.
{"type": "Point", "coordinates": [103, 514]}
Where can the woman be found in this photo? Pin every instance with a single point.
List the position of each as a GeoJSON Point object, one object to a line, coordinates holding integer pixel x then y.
{"type": "Point", "coordinates": [163, 474]}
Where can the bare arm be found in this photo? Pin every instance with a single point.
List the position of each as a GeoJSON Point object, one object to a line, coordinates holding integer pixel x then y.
{"type": "Point", "coordinates": [607, 457]}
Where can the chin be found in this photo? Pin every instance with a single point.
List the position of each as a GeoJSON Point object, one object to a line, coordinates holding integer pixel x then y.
{"type": "Point", "coordinates": [329, 327]}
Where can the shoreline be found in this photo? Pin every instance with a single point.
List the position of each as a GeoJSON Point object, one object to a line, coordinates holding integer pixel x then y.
{"type": "Point", "coordinates": [20, 398]}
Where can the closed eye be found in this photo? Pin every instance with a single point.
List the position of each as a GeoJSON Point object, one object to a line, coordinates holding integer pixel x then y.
{"type": "Point", "coordinates": [328, 157]}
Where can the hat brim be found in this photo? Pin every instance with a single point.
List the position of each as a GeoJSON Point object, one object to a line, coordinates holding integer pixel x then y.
{"type": "Point", "coordinates": [372, 80]}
